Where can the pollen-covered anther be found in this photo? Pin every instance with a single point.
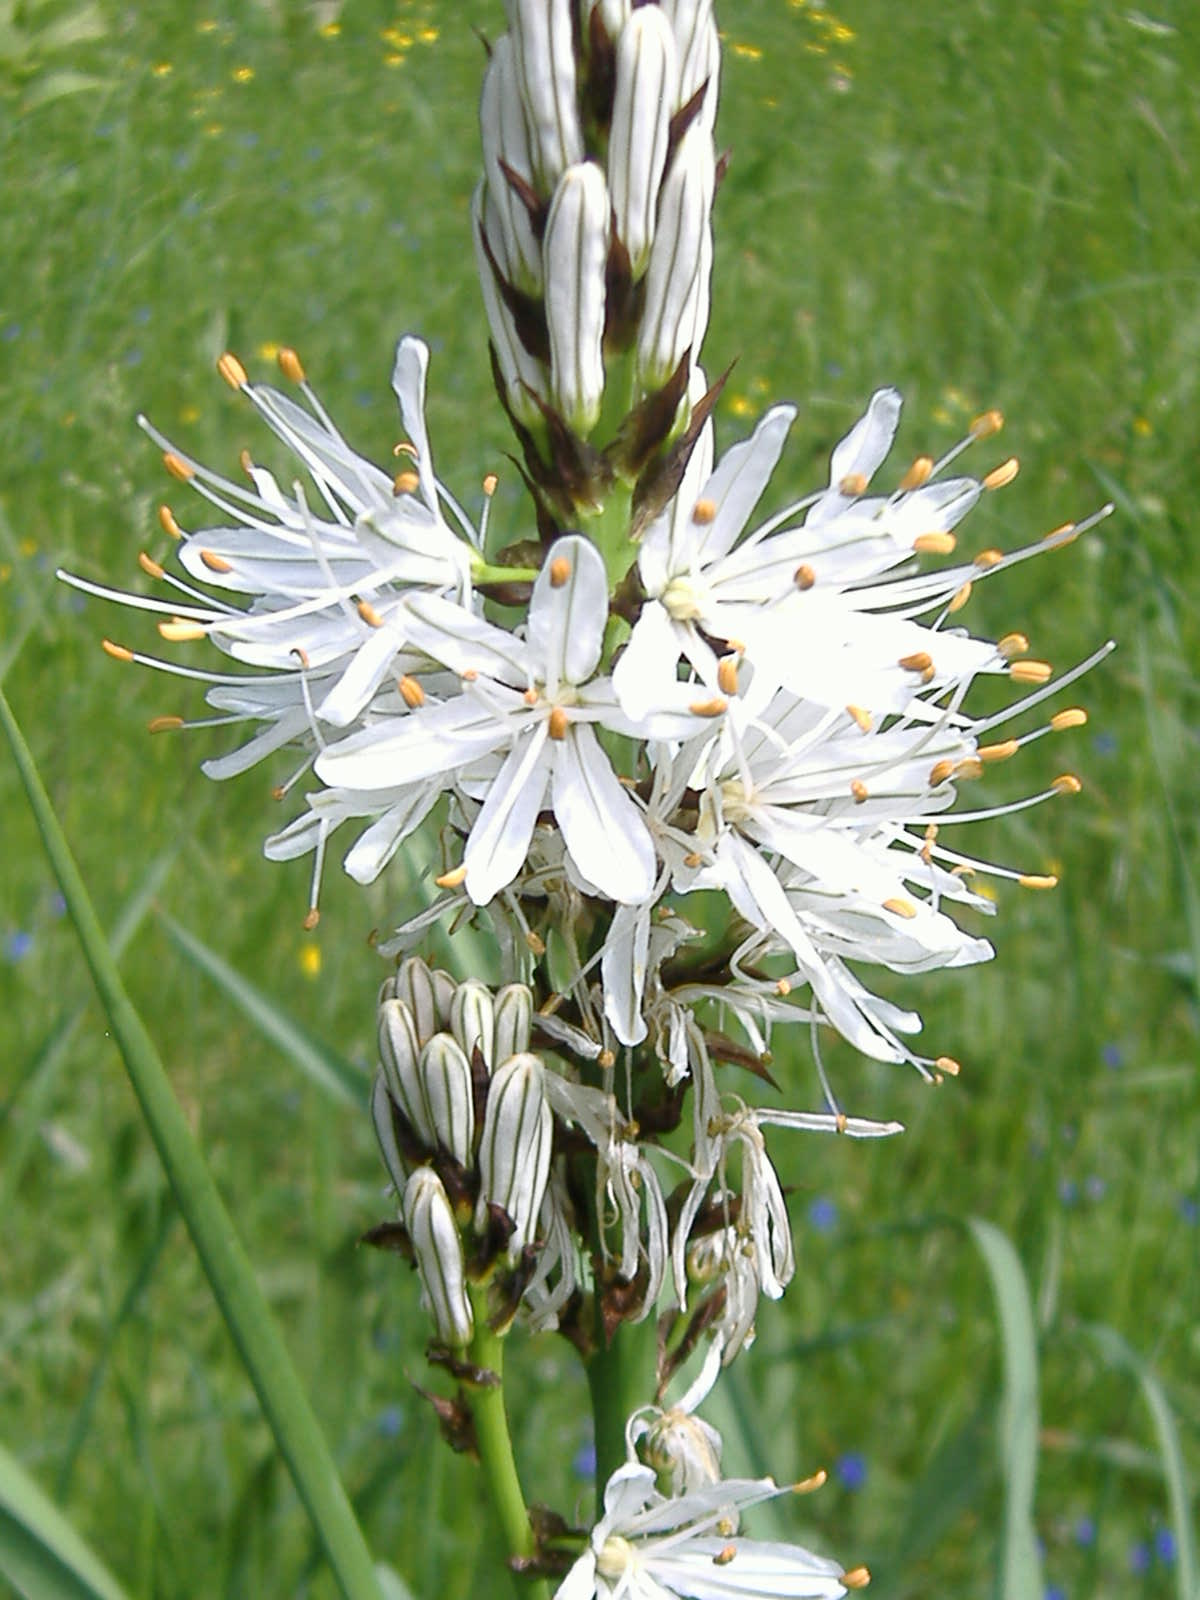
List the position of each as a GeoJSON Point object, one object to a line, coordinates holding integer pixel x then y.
{"type": "Point", "coordinates": [150, 566]}
{"type": "Point", "coordinates": [530, 696]}
{"type": "Point", "coordinates": [959, 598]}
{"type": "Point", "coordinates": [986, 424]}
{"type": "Point", "coordinates": [1000, 751]}
{"type": "Point", "coordinates": [405, 449]}
{"type": "Point", "coordinates": [469, 675]}
{"type": "Point", "coordinates": [900, 907]}
{"type": "Point", "coordinates": [724, 1555]}
{"type": "Point", "coordinates": [1073, 717]}
{"type": "Point", "coordinates": [1012, 644]}
{"type": "Point", "coordinates": [810, 1485]}
{"type": "Point", "coordinates": [1066, 783]}
{"type": "Point", "coordinates": [232, 370]}
{"type": "Point", "coordinates": [703, 512]}
{"type": "Point", "coordinates": [301, 655]}
{"type": "Point", "coordinates": [708, 708]}
{"type": "Point", "coordinates": [405, 483]}
{"type": "Point", "coordinates": [917, 475]}
{"type": "Point", "coordinates": [177, 631]}
{"type": "Point", "coordinates": [164, 724]}
{"type": "Point", "coordinates": [312, 917]}
{"type": "Point", "coordinates": [489, 484]}
{"type": "Point", "coordinates": [279, 792]}
{"type": "Point", "coordinates": [989, 558]}
{"type": "Point", "coordinates": [559, 723]}
{"type": "Point", "coordinates": [692, 859]}
{"type": "Point", "coordinates": [178, 467]}
{"type": "Point", "coordinates": [727, 674]}
{"type": "Point", "coordinates": [290, 365]}
{"type": "Point", "coordinates": [560, 572]}
{"type": "Point", "coordinates": [804, 577]}
{"type": "Point", "coordinates": [1038, 880]}
{"type": "Point", "coordinates": [167, 518]}
{"type": "Point", "coordinates": [783, 988]}
{"type": "Point", "coordinates": [860, 716]}
{"type": "Point", "coordinates": [856, 1578]}
{"type": "Point", "coordinates": [968, 767]}
{"type": "Point", "coordinates": [246, 462]}
{"type": "Point", "coordinates": [859, 790]}
{"type": "Point", "coordinates": [840, 1122]}
{"type": "Point", "coordinates": [535, 942]}
{"type": "Point", "coordinates": [606, 1059]}
{"type": "Point", "coordinates": [948, 1065]}
{"type": "Point", "coordinates": [451, 879]}
{"type": "Point", "coordinates": [411, 692]}
{"type": "Point", "coordinates": [919, 661]}
{"type": "Point", "coordinates": [1031, 672]}
{"type": "Point", "coordinates": [854, 483]}
{"type": "Point", "coordinates": [939, 772]}
{"type": "Point", "coordinates": [214, 562]}
{"type": "Point", "coordinates": [999, 477]}
{"type": "Point", "coordinates": [935, 544]}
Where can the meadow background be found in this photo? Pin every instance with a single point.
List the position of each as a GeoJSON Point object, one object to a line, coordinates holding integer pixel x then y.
{"type": "Point", "coordinates": [983, 204]}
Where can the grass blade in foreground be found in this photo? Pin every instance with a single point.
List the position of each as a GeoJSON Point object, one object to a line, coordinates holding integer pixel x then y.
{"type": "Point", "coordinates": [242, 1303]}
{"type": "Point", "coordinates": [41, 1555]}
{"type": "Point", "coordinates": [1019, 1575]}
{"type": "Point", "coordinates": [325, 1066]}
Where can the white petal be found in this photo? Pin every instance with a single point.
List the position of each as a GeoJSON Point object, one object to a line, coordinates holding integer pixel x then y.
{"type": "Point", "coordinates": [860, 452]}
{"type": "Point", "coordinates": [408, 380]}
{"type": "Point", "coordinates": [623, 971]}
{"type": "Point", "coordinates": [601, 826]}
{"type": "Point", "coordinates": [648, 661]}
{"type": "Point", "coordinates": [499, 840]}
{"type": "Point", "coordinates": [367, 669]}
{"type": "Point", "coordinates": [373, 849]}
{"type": "Point", "coordinates": [433, 739]}
{"type": "Point", "coordinates": [568, 611]}
{"type": "Point", "coordinates": [741, 476]}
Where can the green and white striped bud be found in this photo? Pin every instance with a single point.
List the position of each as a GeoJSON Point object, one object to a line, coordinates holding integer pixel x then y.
{"type": "Point", "coordinates": [699, 52]}
{"type": "Point", "coordinates": [446, 1092]}
{"type": "Point", "coordinates": [505, 138]}
{"type": "Point", "coordinates": [574, 256]}
{"type": "Point", "coordinates": [646, 94]}
{"type": "Point", "coordinates": [676, 310]}
{"type": "Point", "coordinates": [427, 992]}
{"type": "Point", "coordinates": [429, 1221]}
{"type": "Point", "coordinates": [543, 37]}
{"type": "Point", "coordinates": [514, 1021]}
{"type": "Point", "coordinates": [385, 1132]}
{"type": "Point", "coordinates": [399, 1053]}
{"type": "Point", "coordinates": [520, 371]}
{"type": "Point", "coordinates": [473, 1019]}
{"type": "Point", "coordinates": [514, 1153]}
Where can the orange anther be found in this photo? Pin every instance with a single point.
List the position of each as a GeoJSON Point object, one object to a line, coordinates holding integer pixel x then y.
{"type": "Point", "coordinates": [935, 544]}
{"type": "Point", "coordinates": [703, 512]}
{"type": "Point", "coordinates": [1031, 672]}
{"type": "Point", "coordinates": [164, 724]}
{"type": "Point", "coordinates": [559, 723]}
{"type": "Point", "coordinates": [1038, 880]}
{"type": "Point", "coordinates": [149, 566]}
{"type": "Point", "coordinates": [451, 879]}
{"type": "Point", "coordinates": [167, 519]}
{"type": "Point", "coordinates": [859, 790]}
{"type": "Point", "coordinates": [411, 692]}
{"type": "Point", "coordinates": [727, 674]}
{"type": "Point", "coordinates": [312, 917]}
{"type": "Point", "coordinates": [899, 907]}
{"type": "Point", "coordinates": [560, 572]}
{"type": "Point", "coordinates": [214, 562]}
{"type": "Point", "coordinates": [804, 577]}
{"type": "Point", "coordinates": [987, 423]}
{"type": "Point", "coordinates": [854, 483]}
{"type": "Point", "coordinates": [708, 708]}
{"type": "Point", "coordinates": [919, 661]}
{"type": "Point", "coordinates": [232, 370]}
{"type": "Point", "coordinates": [939, 772]}
{"type": "Point", "coordinates": [178, 467]}
{"type": "Point", "coordinates": [999, 477]}
{"type": "Point", "coordinates": [405, 483]}
{"type": "Point", "coordinates": [290, 365]}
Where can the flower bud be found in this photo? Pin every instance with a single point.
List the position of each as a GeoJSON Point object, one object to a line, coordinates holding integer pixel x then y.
{"type": "Point", "coordinates": [473, 1019]}
{"type": "Point", "coordinates": [698, 48]}
{"type": "Point", "coordinates": [427, 994]}
{"type": "Point", "coordinates": [514, 1021]}
{"type": "Point", "coordinates": [438, 1250]}
{"type": "Point", "coordinates": [676, 310]}
{"type": "Point", "coordinates": [614, 14]}
{"type": "Point", "coordinates": [647, 78]}
{"type": "Point", "coordinates": [505, 138]}
{"type": "Point", "coordinates": [683, 1450]}
{"type": "Point", "coordinates": [519, 370]}
{"type": "Point", "coordinates": [385, 1132]}
{"type": "Point", "coordinates": [574, 255]}
{"type": "Point", "coordinates": [544, 42]}
{"type": "Point", "coordinates": [399, 1053]}
{"type": "Point", "coordinates": [514, 1153]}
{"type": "Point", "coordinates": [448, 1100]}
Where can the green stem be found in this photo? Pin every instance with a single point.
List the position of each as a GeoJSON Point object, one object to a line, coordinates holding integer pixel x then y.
{"type": "Point", "coordinates": [620, 1378]}
{"type": "Point", "coordinates": [483, 572]}
{"type": "Point", "coordinates": [243, 1304]}
{"type": "Point", "coordinates": [495, 1449]}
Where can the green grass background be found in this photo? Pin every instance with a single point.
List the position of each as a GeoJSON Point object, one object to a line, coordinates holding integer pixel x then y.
{"type": "Point", "coordinates": [984, 205]}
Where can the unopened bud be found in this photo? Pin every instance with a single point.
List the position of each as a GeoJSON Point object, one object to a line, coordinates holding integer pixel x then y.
{"type": "Point", "coordinates": [574, 255]}
{"type": "Point", "coordinates": [514, 1153]}
{"type": "Point", "coordinates": [472, 1019]}
{"type": "Point", "coordinates": [520, 371]}
{"type": "Point", "coordinates": [427, 994]}
{"type": "Point", "coordinates": [505, 139]}
{"type": "Point", "coordinates": [647, 76]}
{"type": "Point", "coordinates": [399, 1053]}
{"type": "Point", "coordinates": [544, 43]}
{"type": "Point", "coordinates": [684, 1451]}
{"type": "Point", "coordinates": [385, 1132]}
{"type": "Point", "coordinates": [676, 309]}
{"type": "Point", "coordinates": [698, 48]}
{"type": "Point", "coordinates": [614, 14]}
{"type": "Point", "coordinates": [446, 1092]}
{"type": "Point", "coordinates": [436, 1245]}
{"type": "Point", "coordinates": [514, 1022]}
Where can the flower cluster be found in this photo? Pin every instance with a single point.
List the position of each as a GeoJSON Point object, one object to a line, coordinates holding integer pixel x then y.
{"type": "Point", "coordinates": [664, 695]}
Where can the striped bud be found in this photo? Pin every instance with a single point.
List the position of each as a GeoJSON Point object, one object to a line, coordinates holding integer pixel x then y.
{"type": "Point", "coordinates": [447, 1096]}
{"type": "Point", "coordinates": [647, 79]}
{"type": "Point", "coordinates": [544, 43]}
{"type": "Point", "coordinates": [427, 994]}
{"type": "Point", "coordinates": [514, 1153]}
{"type": "Point", "coordinates": [506, 139]}
{"type": "Point", "coordinates": [399, 1052]}
{"type": "Point", "coordinates": [385, 1132]}
{"type": "Point", "coordinates": [429, 1221]}
{"type": "Point", "coordinates": [519, 370]}
{"type": "Point", "coordinates": [676, 310]}
{"type": "Point", "coordinates": [614, 14]}
{"type": "Point", "coordinates": [699, 51]}
{"type": "Point", "coordinates": [473, 1019]}
{"type": "Point", "coordinates": [684, 1450]}
{"type": "Point", "coordinates": [514, 1022]}
{"type": "Point", "coordinates": [574, 256]}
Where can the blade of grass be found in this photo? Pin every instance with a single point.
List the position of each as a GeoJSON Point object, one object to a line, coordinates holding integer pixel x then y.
{"type": "Point", "coordinates": [41, 1555]}
{"type": "Point", "coordinates": [1020, 1574]}
{"type": "Point", "coordinates": [241, 1300]}
{"type": "Point", "coordinates": [1124, 1358]}
{"type": "Point", "coordinates": [331, 1071]}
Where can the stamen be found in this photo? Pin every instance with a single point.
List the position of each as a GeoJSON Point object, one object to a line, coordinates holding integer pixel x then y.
{"type": "Point", "coordinates": [948, 1065]}
{"type": "Point", "coordinates": [149, 566]}
{"type": "Point", "coordinates": [703, 512]}
{"type": "Point", "coordinates": [606, 1059]}
{"type": "Point", "coordinates": [989, 558]}
{"type": "Point", "coordinates": [1066, 783]}
{"type": "Point", "coordinates": [969, 767]}
{"type": "Point", "coordinates": [1075, 717]}
{"type": "Point", "coordinates": [232, 370]}
{"type": "Point", "coordinates": [1000, 751]}
{"type": "Point", "coordinates": [164, 724]}
{"type": "Point", "coordinates": [1031, 672]}
{"type": "Point", "coordinates": [939, 772]}
{"type": "Point", "coordinates": [369, 614]}
{"type": "Point", "coordinates": [1037, 880]}
{"type": "Point", "coordinates": [841, 1122]}
{"type": "Point", "coordinates": [290, 366]}
{"type": "Point", "coordinates": [999, 477]}
{"type": "Point", "coordinates": [694, 858]}
{"type": "Point", "coordinates": [166, 517]}
{"type": "Point", "coordinates": [405, 449]}
{"type": "Point", "coordinates": [900, 907]}
{"type": "Point", "coordinates": [530, 696]}
{"type": "Point", "coordinates": [451, 879]}
{"type": "Point", "coordinates": [411, 692]}
{"type": "Point", "coordinates": [311, 917]}
{"type": "Point", "coordinates": [489, 484]}
{"type": "Point", "coordinates": [854, 484]}
{"type": "Point", "coordinates": [727, 674]}
{"type": "Point", "coordinates": [559, 723]}
{"type": "Point", "coordinates": [560, 572]}
{"type": "Point", "coordinates": [810, 1485]}
{"type": "Point", "coordinates": [859, 790]}
{"type": "Point", "coordinates": [301, 656]}
{"type": "Point", "coordinates": [856, 1578]}
{"type": "Point", "coordinates": [725, 1555]}
{"type": "Point", "coordinates": [535, 942]}
{"type": "Point", "coordinates": [935, 544]}
{"type": "Point", "coordinates": [178, 467]}
{"type": "Point", "coordinates": [405, 483]}
{"type": "Point", "coordinates": [863, 718]}
{"type": "Point", "coordinates": [959, 598]}
{"type": "Point", "coordinates": [180, 632]}
{"type": "Point", "coordinates": [1064, 534]}
{"type": "Point", "coordinates": [917, 474]}
{"type": "Point", "coordinates": [986, 424]}
{"type": "Point", "coordinates": [920, 661]}
{"type": "Point", "coordinates": [1012, 644]}
{"type": "Point", "coordinates": [214, 562]}
{"type": "Point", "coordinates": [804, 577]}
{"type": "Point", "coordinates": [246, 462]}
{"type": "Point", "coordinates": [708, 708]}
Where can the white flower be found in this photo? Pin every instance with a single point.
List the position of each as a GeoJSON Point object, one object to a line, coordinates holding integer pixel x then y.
{"type": "Point", "coordinates": [536, 700]}
{"type": "Point", "coordinates": [646, 1547]}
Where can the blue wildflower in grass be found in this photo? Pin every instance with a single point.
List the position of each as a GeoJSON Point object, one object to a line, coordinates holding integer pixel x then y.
{"type": "Point", "coordinates": [823, 1214]}
{"type": "Point", "coordinates": [1164, 1546]}
{"type": "Point", "coordinates": [1189, 1209]}
{"type": "Point", "coordinates": [17, 945]}
{"type": "Point", "coordinates": [389, 1422]}
{"type": "Point", "coordinates": [583, 1464]}
{"type": "Point", "coordinates": [1056, 1592]}
{"type": "Point", "coordinates": [851, 1470]}
{"type": "Point", "coordinates": [1068, 1191]}
{"type": "Point", "coordinates": [1085, 1532]}
{"type": "Point", "coordinates": [1104, 744]}
{"type": "Point", "coordinates": [1096, 1188]}
{"type": "Point", "coordinates": [1113, 1057]}
{"type": "Point", "coordinates": [1139, 1557]}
